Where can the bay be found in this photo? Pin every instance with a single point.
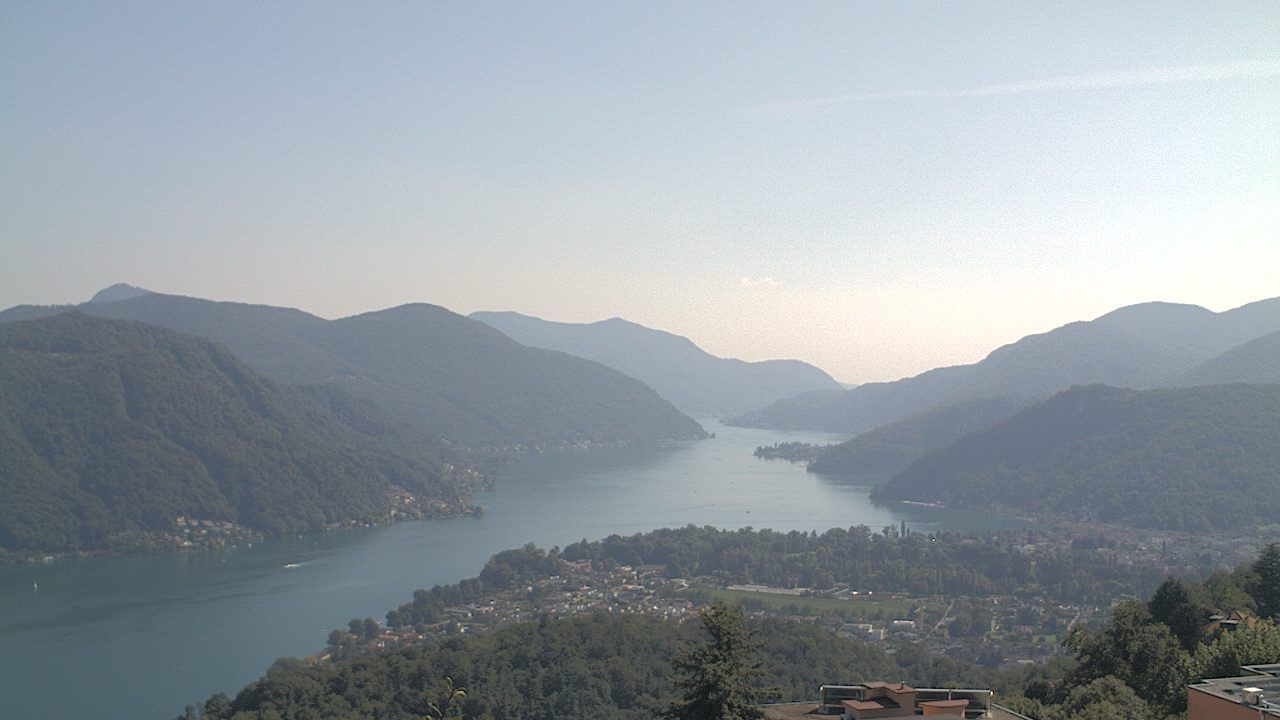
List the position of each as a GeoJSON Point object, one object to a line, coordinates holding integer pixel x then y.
{"type": "Point", "coordinates": [143, 636]}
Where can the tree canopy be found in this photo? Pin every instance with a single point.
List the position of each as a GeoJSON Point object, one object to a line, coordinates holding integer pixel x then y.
{"type": "Point", "coordinates": [717, 678]}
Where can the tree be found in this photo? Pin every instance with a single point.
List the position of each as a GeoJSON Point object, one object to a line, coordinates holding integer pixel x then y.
{"type": "Point", "coordinates": [1135, 650]}
{"type": "Point", "coordinates": [1172, 605]}
{"type": "Point", "coordinates": [1230, 650]}
{"type": "Point", "coordinates": [717, 678]}
{"type": "Point", "coordinates": [449, 704]}
{"type": "Point", "coordinates": [1106, 698]}
{"type": "Point", "coordinates": [1267, 590]}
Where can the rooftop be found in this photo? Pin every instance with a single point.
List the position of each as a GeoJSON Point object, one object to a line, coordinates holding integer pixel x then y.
{"type": "Point", "coordinates": [813, 711]}
{"type": "Point", "coordinates": [875, 704]}
{"type": "Point", "coordinates": [1265, 678]}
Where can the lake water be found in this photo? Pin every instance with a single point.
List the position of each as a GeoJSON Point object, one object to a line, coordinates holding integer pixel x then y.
{"type": "Point", "coordinates": [141, 637]}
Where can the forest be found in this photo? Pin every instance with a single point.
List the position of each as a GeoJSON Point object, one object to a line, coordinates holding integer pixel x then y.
{"type": "Point", "coordinates": [1139, 666]}
{"type": "Point", "coordinates": [893, 447]}
{"type": "Point", "coordinates": [1195, 459]}
{"type": "Point", "coordinates": [606, 666]}
{"type": "Point", "coordinates": [110, 431]}
{"type": "Point", "coordinates": [442, 374]}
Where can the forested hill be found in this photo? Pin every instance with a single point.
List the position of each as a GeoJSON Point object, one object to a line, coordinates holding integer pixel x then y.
{"type": "Point", "coordinates": [1200, 458]}
{"type": "Point", "coordinates": [1257, 361]}
{"type": "Point", "coordinates": [693, 380]}
{"type": "Point", "coordinates": [449, 376]}
{"type": "Point", "coordinates": [1141, 346]}
{"type": "Point", "coordinates": [893, 447]}
{"type": "Point", "coordinates": [110, 430]}
{"type": "Point", "coordinates": [612, 665]}
{"type": "Point", "coordinates": [594, 667]}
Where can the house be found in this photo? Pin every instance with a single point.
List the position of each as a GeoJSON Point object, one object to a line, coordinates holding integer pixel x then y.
{"type": "Point", "coordinates": [1230, 622]}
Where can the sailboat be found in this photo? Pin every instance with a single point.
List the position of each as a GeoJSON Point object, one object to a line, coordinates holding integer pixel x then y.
{"type": "Point", "coordinates": [35, 586]}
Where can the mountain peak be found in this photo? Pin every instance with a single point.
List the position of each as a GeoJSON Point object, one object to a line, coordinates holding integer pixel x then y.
{"type": "Point", "coordinates": [1155, 312]}
{"type": "Point", "coordinates": [119, 291]}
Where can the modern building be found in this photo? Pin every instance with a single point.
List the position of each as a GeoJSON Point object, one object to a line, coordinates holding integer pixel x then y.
{"type": "Point", "coordinates": [895, 700]}
{"type": "Point", "coordinates": [1255, 696]}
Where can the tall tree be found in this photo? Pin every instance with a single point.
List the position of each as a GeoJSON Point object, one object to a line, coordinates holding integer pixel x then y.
{"type": "Point", "coordinates": [1172, 605]}
{"type": "Point", "coordinates": [717, 678]}
{"type": "Point", "coordinates": [1267, 591]}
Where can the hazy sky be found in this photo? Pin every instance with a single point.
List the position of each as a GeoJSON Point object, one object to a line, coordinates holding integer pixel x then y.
{"type": "Point", "coordinates": [878, 188]}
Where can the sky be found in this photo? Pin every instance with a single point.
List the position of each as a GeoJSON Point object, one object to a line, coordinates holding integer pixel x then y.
{"type": "Point", "coordinates": [878, 188]}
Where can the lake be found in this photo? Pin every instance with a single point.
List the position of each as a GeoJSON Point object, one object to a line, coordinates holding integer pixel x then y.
{"type": "Point", "coordinates": [143, 636]}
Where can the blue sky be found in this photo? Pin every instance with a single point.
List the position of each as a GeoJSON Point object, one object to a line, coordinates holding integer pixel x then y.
{"type": "Point", "coordinates": [878, 188]}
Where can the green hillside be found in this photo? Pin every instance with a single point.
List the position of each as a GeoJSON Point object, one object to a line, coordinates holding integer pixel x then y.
{"type": "Point", "coordinates": [1257, 361]}
{"type": "Point", "coordinates": [449, 376]}
{"type": "Point", "coordinates": [598, 666]}
{"type": "Point", "coordinates": [893, 447]}
{"type": "Point", "coordinates": [110, 430]}
{"type": "Point", "coordinates": [1201, 458]}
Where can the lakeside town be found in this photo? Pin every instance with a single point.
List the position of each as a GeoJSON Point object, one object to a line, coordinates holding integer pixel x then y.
{"type": "Point", "coordinates": [995, 631]}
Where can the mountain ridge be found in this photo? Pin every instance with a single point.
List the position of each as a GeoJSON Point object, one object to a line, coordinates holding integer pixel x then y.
{"type": "Point", "coordinates": [1198, 458]}
{"type": "Point", "coordinates": [694, 380]}
{"type": "Point", "coordinates": [450, 376]}
{"type": "Point", "coordinates": [113, 429]}
{"type": "Point", "coordinates": [891, 448]}
{"type": "Point", "coordinates": [1124, 348]}
{"type": "Point", "coordinates": [1255, 361]}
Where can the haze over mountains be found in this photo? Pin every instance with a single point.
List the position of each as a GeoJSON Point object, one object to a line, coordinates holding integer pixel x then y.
{"type": "Point", "coordinates": [449, 376]}
{"type": "Point", "coordinates": [695, 381]}
{"type": "Point", "coordinates": [436, 374]}
{"type": "Point", "coordinates": [110, 430]}
{"type": "Point", "coordinates": [893, 447]}
{"type": "Point", "coordinates": [1257, 361]}
{"type": "Point", "coordinates": [1141, 346]}
{"type": "Point", "coordinates": [1201, 458]}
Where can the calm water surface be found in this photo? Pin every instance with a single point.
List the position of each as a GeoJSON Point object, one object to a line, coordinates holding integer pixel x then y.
{"type": "Point", "coordinates": [141, 637]}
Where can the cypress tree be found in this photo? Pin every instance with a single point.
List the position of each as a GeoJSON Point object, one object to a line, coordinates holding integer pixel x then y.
{"type": "Point", "coordinates": [717, 678]}
{"type": "Point", "coordinates": [1266, 593]}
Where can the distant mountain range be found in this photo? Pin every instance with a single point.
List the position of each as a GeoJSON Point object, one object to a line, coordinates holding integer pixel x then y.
{"type": "Point", "coordinates": [1199, 458]}
{"type": "Point", "coordinates": [111, 430]}
{"type": "Point", "coordinates": [447, 375]}
{"type": "Point", "coordinates": [692, 379]}
{"type": "Point", "coordinates": [1141, 346]}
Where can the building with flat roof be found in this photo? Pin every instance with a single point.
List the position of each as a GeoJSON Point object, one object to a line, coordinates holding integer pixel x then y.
{"type": "Point", "coordinates": [872, 700]}
{"type": "Point", "coordinates": [1255, 696]}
